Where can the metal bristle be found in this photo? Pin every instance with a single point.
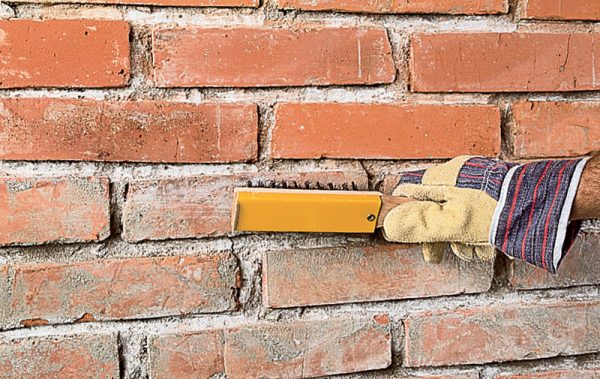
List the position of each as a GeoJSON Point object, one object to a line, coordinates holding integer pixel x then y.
{"type": "Point", "coordinates": [307, 185]}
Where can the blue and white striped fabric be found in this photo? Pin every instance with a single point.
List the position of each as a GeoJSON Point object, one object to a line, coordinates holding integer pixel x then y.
{"type": "Point", "coordinates": [531, 221]}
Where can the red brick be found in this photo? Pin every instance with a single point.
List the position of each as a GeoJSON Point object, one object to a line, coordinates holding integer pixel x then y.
{"type": "Point", "coordinates": [120, 289]}
{"type": "Point", "coordinates": [308, 348]}
{"type": "Point", "coordinates": [386, 6]}
{"type": "Point", "coordinates": [168, 3]}
{"type": "Point", "coordinates": [54, 357]}
{"type": "Point", "coordinates": [555, 129]}
{"type": "Point", "coordinates": [562, 10]}
{"type": "Point", "coordinates": [499, 333]}
{"type": "Point", "coordinates": [505, 62]}
{"type": "Point", "coordinates": [187, 356]}
{"type": "Point", "coordinates": [384, 131]}
{"type": "Point", "coordinates": [303, 277]}
{"type": "Point", "coordinates": [64, 53]}
{"type": "Point", "coordinates": [144, 131]}
{"type": "Point", "coordinates": [573, 373]}
{"type": "Point", "coordinates": [39, 210]}
{"type": "Point", "coordinates": [468, 375]}
{"type": "Point", "coordinates": [245, 57]}
{"type": "Point", "coordinates": [201, 206]}
{"type": "Point", "coordinates": [580, 267]}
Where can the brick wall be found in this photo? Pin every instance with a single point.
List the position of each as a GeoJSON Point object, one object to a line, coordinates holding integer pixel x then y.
{"type": "Point", "coordinates": [126, 124]}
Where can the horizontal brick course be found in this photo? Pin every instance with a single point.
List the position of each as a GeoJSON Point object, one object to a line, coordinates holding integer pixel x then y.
{"type": "Point", "coordinates": [412, 6]}
{"type": "Point", "coordinates": [500, 333]}
{"type": "Point", "coordinates": [562, 10]}
{"type": "Point", "coordinates": [302, 277]}
{"type": "Point", "coordinates": [300, 349]}
{"type": "Point", "coordinates": [253, 57]}
{"type": "Point", "coordinates": [505, 62]}
{"type": "Point", "coordinates": [140, 131]}
{"type": "Point", "coordinates": [384, 131]}
{"type": "Point", "coordinates": [118, 289]}
{"type": "Point", "coordinates": [78, 356]}
{"type": "Point", "coordinates": [64, 53]}
{"type": "Point", "coordinates": [568, 373]}
{"type": "Point", "coordinates": [41, 210]}
{"type": "Point", "coordinates": [555, 129]}
{"type": "Point", "coordinates": [166, 3]}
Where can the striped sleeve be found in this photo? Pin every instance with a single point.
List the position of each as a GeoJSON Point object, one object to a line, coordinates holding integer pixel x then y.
{"type": "Point", "coordinates": [531, 221]}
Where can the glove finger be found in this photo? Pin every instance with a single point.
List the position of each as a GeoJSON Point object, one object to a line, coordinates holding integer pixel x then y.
{"type": "Point", "coordinates": [462, 251]}
{"type": "Point", "coordinates": [485, 253]}
{"type": "Point", "coordinates": [434, 252]}
{"type": "Point", "coordinates": [420, 192]}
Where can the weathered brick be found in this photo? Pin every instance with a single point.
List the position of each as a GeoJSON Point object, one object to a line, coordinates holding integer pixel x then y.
{"type": "Point", "coordinates": [140, 131]}
{"type": "Point", "coordinates": [468, 375]}
{"type": "Point", "coordinates": [580, 267]}
{"type": "Point", "coordinates": [292, 350]}
{"type": "Point", "coordinates": [499, 333]}
{"type": "Point", "coordinates": [119, 289]}
{"type": "Point", "coordinates": [54, 357]}
{"type": "Point", "coordinates": [573, 373]}
{"type": "Point", "coordinates": [308, 348]}
{"type": "Point", "coordinates": [412, 6]}
{"type": "Point", "coordinates": [505, 62]}
{"type": "Point", "coordinates": [365, 273]}
{"type": "Point", "coordinates": [562, 10]}
{"type": "Point", "coordinates": [64, 53]}
{"type": "Point", "coordinates": [384, 131]}
{"type": "Point", "coordinates": [201, 206]}
{"type": "Point", "coordinates": [555, 129]}
{"type": "Point", "coordinates": [167, 3]}
{"type": "Point", "coordinates": [39, 210]}
{"type": "Point", "coordinates": [187, 356]}
{"type": "Point", "coordinates": [252, 57]}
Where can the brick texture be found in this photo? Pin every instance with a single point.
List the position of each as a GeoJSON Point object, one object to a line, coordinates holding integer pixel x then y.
{"type": "Point", "coordinates": [562, 10]}
{"type": "Point", "coordinates": [39, 210]}
{"type": "Point", "coordinates": [144, 131]}
{"type": "Point", "coordinates": [54, 357]}
{"type": "Point", "coordinates": [168, 3]}
{"type": "Point", "coordinates": [187, 356]}
{"type": "Point", "coordinates": [119, 289]}
{"type": "Point", "coordinates": [386, 6]}
{"type": "Point", "coordinates": [384, 131]}
{"type": "Point", "coordinates": [308, 349]}
{"type": "Point", "coordinates": [303, 277]}
{"type": "Point", "coordinates": [505, 62]}
{"type": "Point", "coordinates": [64, 53]}
{"type": "Point", "coordinates": [205, 57]}
{"type": "Point", "coordinates": [555, 129]}
{"type": "Point", "coordinates": [201, 206]}
{"type": "Point", "coordinates": [301, 349]}
{"type": "Point", "coordinates": [580, 267]}
{"type": "Point", "coordinates": [572, 373]}
{"type": "Point", "coordinates": [502, 333]}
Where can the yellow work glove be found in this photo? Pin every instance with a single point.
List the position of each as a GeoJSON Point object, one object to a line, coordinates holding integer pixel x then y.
{"type": "Point", "coordinates": [444, 213]}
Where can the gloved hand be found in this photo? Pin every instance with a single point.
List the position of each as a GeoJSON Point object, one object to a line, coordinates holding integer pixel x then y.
{"type": "Point", "coordinates": [448, 211]}
{"type": "Point", "coordinates": [476, 203]}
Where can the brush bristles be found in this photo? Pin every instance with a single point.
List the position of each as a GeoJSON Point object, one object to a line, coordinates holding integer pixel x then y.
{"type": "Point", "coordinates": [293, 184]}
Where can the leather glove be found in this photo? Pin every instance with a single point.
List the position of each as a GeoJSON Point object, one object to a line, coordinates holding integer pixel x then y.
{"type": "Point", "coordinates": [445, 212]}
{"type": "Point", "coordinates": [476, 204]}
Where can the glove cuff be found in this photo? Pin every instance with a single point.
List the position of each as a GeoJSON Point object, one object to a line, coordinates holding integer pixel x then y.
{"type": "Point", "coordinates": [531, 220]}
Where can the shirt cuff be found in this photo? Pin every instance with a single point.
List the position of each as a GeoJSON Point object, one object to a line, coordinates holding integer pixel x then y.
{"type": "Point", "coordinates": [531, 220]}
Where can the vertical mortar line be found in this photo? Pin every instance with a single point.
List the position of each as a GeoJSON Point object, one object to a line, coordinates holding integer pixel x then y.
{"type": "Point", "coordinates": [121, 356]}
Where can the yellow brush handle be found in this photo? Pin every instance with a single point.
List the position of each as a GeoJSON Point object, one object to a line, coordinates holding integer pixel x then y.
{"type": "Point", "coordinates": [273, 210]}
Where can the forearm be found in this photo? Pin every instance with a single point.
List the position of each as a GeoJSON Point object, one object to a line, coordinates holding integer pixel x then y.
{"type": "Point", "coordinates": [587, 201]}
